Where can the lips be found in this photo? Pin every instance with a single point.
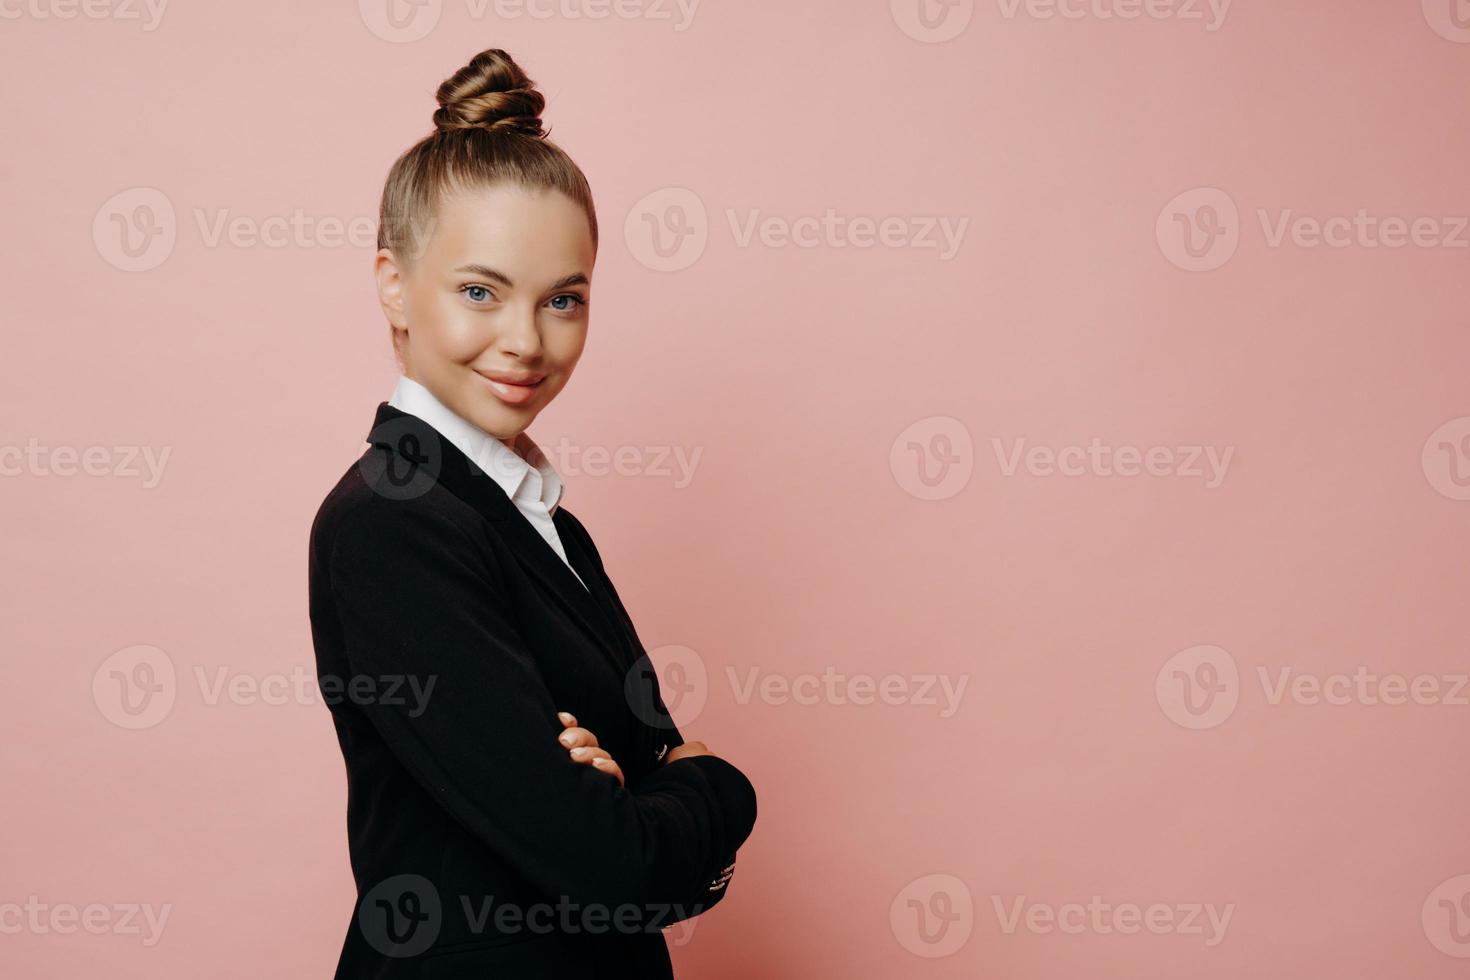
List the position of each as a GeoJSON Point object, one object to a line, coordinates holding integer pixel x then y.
{"type": "Point", "coordinates": [513, 389]}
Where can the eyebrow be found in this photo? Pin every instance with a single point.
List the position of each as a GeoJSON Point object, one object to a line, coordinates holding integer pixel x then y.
{"type": "Point", "coordinates": [575, 279]}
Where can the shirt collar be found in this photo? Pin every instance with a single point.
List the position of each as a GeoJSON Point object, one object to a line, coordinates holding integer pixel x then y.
{"type": "Point", "coordinates": [523, 473]}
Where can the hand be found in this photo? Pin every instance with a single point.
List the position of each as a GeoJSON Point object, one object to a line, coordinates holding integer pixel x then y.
{"type": "Point", "coordinates": [686, 751]}
{"type": "Point", "coordinates": [583, 746]}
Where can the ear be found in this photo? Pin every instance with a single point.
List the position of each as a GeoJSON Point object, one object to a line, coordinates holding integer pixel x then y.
{"type": "Point", "coordinates": [390, 288]}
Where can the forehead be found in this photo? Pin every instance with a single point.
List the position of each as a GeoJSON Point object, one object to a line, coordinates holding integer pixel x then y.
{"type": "Point", "coordinates": [530, 235]}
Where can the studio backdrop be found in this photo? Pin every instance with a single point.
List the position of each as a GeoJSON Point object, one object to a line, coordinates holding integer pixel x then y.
{"type": "Point", "coordinates": [1032, 438]}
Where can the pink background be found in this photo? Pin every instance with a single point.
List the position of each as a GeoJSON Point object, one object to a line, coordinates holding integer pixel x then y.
{"type": "Point", "coordinates": [1070, 606]}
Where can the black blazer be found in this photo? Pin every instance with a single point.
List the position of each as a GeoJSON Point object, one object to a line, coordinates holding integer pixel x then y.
{"type": "Point", "coordinates": [448, 635]}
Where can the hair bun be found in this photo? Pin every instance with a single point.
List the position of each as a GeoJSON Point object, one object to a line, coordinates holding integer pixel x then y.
{"type": "Point", "coordinates": [490, 93]}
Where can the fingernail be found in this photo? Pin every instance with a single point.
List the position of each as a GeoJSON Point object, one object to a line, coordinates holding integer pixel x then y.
{"type": "Point", "coordinates": [579, 752]}
{"type": "Point", "coordinates": [567, 738]}
{"type": "Point", "coordinates": [564, 716]}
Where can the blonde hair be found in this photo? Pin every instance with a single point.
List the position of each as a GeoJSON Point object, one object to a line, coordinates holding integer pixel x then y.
{"type": "Point", "coordinates": [487, 131]}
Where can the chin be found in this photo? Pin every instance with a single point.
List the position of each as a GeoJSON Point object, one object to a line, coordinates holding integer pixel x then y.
{"type": "Point", "coordinates": [502, 421]}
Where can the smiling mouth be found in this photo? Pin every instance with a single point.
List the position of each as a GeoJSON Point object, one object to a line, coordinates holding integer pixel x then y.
{"type": "Point", "coordinates": [512, 392]}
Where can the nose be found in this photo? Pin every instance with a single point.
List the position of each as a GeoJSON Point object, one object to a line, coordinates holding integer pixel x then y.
{"type": "Point", "coordinates": [519, 333]}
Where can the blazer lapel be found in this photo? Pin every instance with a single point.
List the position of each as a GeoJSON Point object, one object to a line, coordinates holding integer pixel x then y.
{"type": "Point", "coordinates": [538, 558]}
{"type": "Point", "coordinates": [421, 458]}
{"type": "Point", "coordinates": [571, 540]}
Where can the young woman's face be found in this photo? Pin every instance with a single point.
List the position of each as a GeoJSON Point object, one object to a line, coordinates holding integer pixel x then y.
{"type": "Point", "coordinates": [492, 316]}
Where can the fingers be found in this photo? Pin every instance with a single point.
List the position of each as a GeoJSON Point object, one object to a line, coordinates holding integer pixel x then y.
{"type": "Point", "coordinates": [584, 748]}
{"type": "Point", "coordinates": [685, 751]}
{"type": "Point", "coordinates": [608, 765]}
{"type": "Point", "coordinates": [598, 759]}
{"type": "Point", "coordinates": [574, 737]}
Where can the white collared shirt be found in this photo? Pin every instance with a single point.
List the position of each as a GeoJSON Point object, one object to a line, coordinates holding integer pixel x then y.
{"type": "Point", "coordinates": [525, 474]}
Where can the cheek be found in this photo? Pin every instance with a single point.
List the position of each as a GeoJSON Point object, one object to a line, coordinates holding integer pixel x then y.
{"type": "Point", "coordinates": [565, 347]}
{"type": "Point", "coordinates": [444, 325]}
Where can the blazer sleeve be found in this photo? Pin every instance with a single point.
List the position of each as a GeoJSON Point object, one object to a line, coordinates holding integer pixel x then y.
{"type": "Point", "coordinates": [709, 892]}
{"type": "Point", "coordinates": [417, 596]}
{"type": "Point", "coordinates": [712, 888]}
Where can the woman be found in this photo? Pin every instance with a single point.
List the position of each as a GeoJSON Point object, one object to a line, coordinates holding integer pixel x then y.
{"type": "Point", "coordinates": [520, 804]}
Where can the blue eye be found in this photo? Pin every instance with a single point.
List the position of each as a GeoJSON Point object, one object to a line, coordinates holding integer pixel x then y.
{"type": "Point", "coordinates": [571, 296]}
{"type": "Point", "coordinates": [477, 294]}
